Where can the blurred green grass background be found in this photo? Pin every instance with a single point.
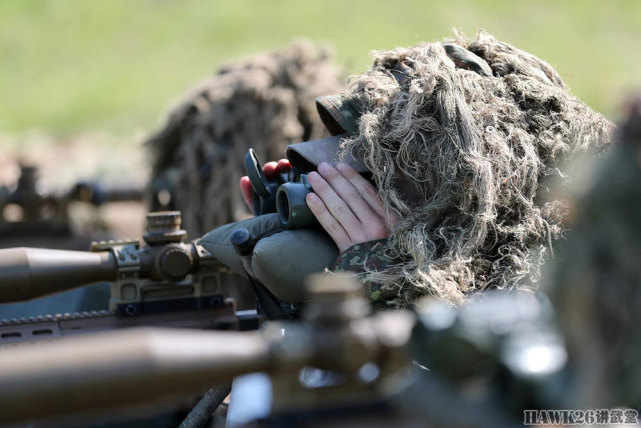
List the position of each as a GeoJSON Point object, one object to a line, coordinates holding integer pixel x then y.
{"type": "Point", "coordinates": [115, 66]}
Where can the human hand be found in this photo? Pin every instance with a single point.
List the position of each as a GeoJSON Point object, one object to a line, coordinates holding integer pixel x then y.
{"type": "Point", "coordinates": [347, 206]}
{"type": "Point", "coordinates": [271, 171]}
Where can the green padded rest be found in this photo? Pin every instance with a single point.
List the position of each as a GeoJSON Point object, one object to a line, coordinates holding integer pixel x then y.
{"type": "Point", "coordinates": [281, 260]}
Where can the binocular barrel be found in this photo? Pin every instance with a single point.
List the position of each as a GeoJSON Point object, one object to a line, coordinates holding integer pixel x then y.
{"type": "Point", "coordinates": [291, 206]}
{"type": "Point", "coordinates": [28, 273]}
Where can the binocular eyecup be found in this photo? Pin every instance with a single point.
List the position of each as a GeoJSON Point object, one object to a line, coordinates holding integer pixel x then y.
{"type": "Point", "coordinates": [292, 209]}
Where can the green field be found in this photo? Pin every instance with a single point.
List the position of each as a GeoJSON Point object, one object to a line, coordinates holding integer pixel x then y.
{"type": "Point", "coordinates": [115, 66]}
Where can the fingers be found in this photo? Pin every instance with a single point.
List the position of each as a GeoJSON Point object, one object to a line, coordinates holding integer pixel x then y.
{"type": "Point", "coordinates": [271, 171]}
{"type": "Point", "coordinates": [341, 206]}
{"type": "Point", "coordinates": [335, 204]}
{"type": "Point", "coordinates": [328, 222]}
{"type": "Point", "coordinates": [283, 166]}
{"type": "Point", "coordinates": [246, 190]}
{"type": "Point", "coordinates": [367, 192]}
{"type": "Point", "coordinates": [361, 195]}
{"type": "Point", "coordinates": [347, 192]}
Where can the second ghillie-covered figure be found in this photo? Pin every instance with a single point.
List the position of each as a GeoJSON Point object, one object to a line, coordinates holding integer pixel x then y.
{"type": "Point", "coordinates": [265, 102]}
{"type": "Point", "coordinates": [461, 139]}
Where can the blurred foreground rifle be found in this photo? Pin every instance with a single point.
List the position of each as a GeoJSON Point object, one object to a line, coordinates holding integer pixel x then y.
{"type": "Point", "coordinates": [340, 366]}
{"type": "Point", "coordinates": [167, 282]}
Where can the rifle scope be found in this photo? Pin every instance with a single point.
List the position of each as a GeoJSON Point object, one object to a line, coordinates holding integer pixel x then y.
{"type": "Point", "coordinates": [28, 273]}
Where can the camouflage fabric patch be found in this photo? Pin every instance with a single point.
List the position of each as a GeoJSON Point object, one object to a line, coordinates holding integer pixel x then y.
{"type": "Point", "coordinates": [364, 257]}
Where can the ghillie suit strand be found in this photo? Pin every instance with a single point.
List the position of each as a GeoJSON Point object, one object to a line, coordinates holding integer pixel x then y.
{"type": "Point", "coordinates": [463, 158]}
{"type": "Point", "coordinates": [265, 102]}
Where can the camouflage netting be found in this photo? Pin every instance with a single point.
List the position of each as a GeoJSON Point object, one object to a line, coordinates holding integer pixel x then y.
{"type": "Point", "coordinates": [462, 159]}
{"type": "Point", "coordinates": [265, 102]}
{"type": "Point", "coordinates": [596, 282]}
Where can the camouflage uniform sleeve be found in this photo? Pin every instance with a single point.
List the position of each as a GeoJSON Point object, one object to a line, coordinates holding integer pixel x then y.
{"type": "Point", "coordinates": [364, 257]}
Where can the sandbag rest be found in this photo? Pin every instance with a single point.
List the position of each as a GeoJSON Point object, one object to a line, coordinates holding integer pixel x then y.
{"type": "Point", "coordinates": [281, 259]}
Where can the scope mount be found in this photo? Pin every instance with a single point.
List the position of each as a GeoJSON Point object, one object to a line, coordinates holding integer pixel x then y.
{"type": "Point", "coordinates": [165, 269]}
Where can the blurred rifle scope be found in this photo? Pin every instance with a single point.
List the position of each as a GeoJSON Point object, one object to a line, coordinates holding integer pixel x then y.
{"type": "Point", "coordinates": [34, 204]}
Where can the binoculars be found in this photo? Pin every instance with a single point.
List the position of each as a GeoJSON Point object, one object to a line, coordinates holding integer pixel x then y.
{"type": "Point", "coordinates": [284, 195]}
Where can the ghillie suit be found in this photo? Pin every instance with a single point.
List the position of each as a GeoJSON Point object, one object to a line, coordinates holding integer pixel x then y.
{"type": "Point", "coordinates": [265, 102]}
{"type": "Point", "coordinates": [462, 158]}
{"type": "Point", "coordinates": [596, 282]}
